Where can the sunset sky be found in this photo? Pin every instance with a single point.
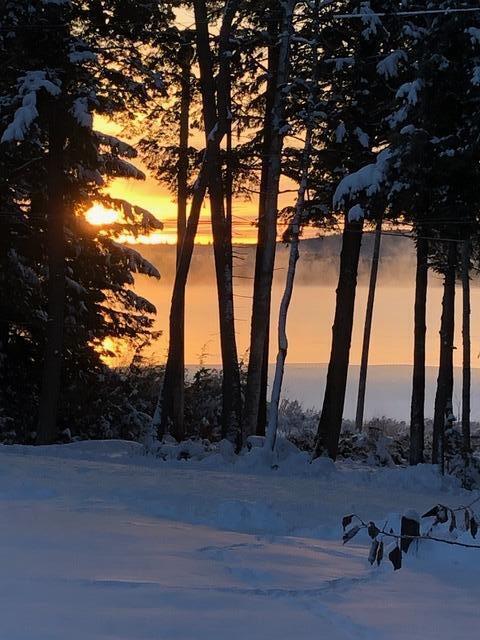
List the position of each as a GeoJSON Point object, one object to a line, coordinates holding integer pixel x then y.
{"type": "Point", "coordinates": [155, 197]}
{"type": "Point", "coordinates": [392, 314]}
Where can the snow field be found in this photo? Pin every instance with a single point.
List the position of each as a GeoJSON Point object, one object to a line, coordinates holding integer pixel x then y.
{"type": "Point", "coordinates": [98, 541]}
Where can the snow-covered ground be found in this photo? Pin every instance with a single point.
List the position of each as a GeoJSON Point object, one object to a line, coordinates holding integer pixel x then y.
{"type": "Point", "coordinates": [99, 542]}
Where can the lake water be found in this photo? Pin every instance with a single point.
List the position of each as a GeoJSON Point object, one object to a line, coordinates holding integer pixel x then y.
{"type": "Point", "coordinates": [309, 327]}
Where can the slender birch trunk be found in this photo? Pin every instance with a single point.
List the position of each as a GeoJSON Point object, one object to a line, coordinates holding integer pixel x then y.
{"type": "Point", "coordinates": [443, 397]}
{"type": "Point", "coordinates": [173, 392]}
{"type": "Point", "coordinates": [417, 414]}
{"type": "Point", "coordinates": [264, 270]}
{"type": "Point", "coordinates": [294, 251]}
{"type": "Point", "coordinates": [330, 424]}
{"type": "Point", "coordinates": [362, 384]}
{"type": "Point", "coordinates": [56, 218]}
{"type": "Point", "coordinates": [467, 374]}
{"type": "Point", "coordinates": [287, 297]}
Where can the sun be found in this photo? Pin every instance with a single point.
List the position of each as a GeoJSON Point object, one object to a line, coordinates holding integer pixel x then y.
{"type": "Point", "coordinates": [99, 215]}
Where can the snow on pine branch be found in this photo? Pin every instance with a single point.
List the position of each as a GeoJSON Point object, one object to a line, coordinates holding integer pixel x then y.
{"type": "Point", "coordinates": [474, 34]}
{"type": "Point", "coordinates": [367, 180]}
{"type": "Point", "coordinates": [132, 213]}
{"type": "Point", "coordinates": [476, 76]}
{"type": "Point", "coordinates": [29, 85]}
{"type": "Point", "coordinates": [77, 57]}
{"type": "Point", "coordinates": [388, 67]}
{"type": "Point", "coordinates": [121, 168]}
{"type": "Point", "coordinates": [363, 138]}
{"type": "Point", "coordinates": [81, 52]}
{"type": "Point", "coordinates": [81, 113]}
{"type": "Point", "coordinates": [136, 262]}
{"type": "Point", "coordinates": [409, 91]}
{"type": "Point", "coordinates": [115, 144]}
{"type": "Point", "coordinates": [370, 19]}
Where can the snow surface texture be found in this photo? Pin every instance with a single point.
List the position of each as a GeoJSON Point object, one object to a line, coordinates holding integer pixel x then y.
{"type": "Point", "coordinates": [98, 541]}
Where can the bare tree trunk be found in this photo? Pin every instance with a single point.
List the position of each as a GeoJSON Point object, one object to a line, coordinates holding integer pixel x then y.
{"type": "Point", "coordinates": [6, 227]}
{"type": "Point", "coordinates": [56, 217]}
{"type": "Point", "coordinates": [362, 384]}
{"type": "Point", "coordinates": [287, 296]}
{"type": "Point", "coordinates": [5, 305]}
{"type": "Point", "coordinates": [330, 424]}
{"type": "Point", "coordinates": [215, 116]}
{"type": "Point", "coordinates": [157, 427]}
{"type": "Point", "coordinates": [173, 394]}
{"type": "Point", "coordinates": [417, 415]}
{"type": "Point", "coordinates": [210, 159]}
{"type": "Point", "coordinates": [467, 374]}
{"type": "Point", "coordinates": [443, 397]}
{"type": "Point", "coordinates": [264, 270]}
{"type": "Point", "coordinates": [231, 428]}
{"type": "Point", "coordinates": [273, 26]}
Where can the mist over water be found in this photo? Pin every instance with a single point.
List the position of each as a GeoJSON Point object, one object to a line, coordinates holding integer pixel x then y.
{"type": "Point", "coordinates": [311, 316]}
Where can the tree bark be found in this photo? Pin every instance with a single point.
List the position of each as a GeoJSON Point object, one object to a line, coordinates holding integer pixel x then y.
{"type": "Point", "coordinates": [417, 413]}
{"type": "Point", "coordinates": [467, 374]}
{"type": "Point", "coordinates": [330, 424]}
{"type": "Point", "coordinates": [215, 117]}
{"type": "Point", "coordinates": [443, 397]}
{"type": "Point", "coordinates": [273, 27]}
{"type": "Point", "coordinates": [5, 245]}
{"type": "Point", "coordinates": [158, 426]}
{"type": "Point", "coordinates": [173, 402]}
{"type": "Point", "coordinates": [56, 217]}
{"type": "Point", "coordinates": [287, 296]}
{"type": "Point", "coordinates": [264, 268]}
{"type": "Point", "coordinates": [362, 384]}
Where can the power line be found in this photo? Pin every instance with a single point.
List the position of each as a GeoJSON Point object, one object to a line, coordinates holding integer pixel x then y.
{"type": "Point", "coordinates": [425, 12]}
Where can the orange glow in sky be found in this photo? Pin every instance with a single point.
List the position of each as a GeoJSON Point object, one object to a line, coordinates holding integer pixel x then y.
{"type": "Point", "coordinates": [155, 197]}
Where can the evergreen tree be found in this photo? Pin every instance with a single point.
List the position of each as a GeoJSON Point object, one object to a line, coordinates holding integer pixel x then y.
{"type": "Point", "coordinates": [55, 166]}
{"type": "Point", "coordinates": [356, 65]}
{"type": "Point", "coordinates": [434, 175]}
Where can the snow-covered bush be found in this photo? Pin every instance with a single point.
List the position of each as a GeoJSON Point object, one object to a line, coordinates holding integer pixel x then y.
{"type": "Point", "coordinates": [462, 464]}
{"type": "Point", "coordinates": [373, 448]}
{"type": "Point", "coordinates": [121, 402]}
{"type": "Point", "coordinates": [297, 424]}
{"type": "Point", "coordinates": [384, 441]}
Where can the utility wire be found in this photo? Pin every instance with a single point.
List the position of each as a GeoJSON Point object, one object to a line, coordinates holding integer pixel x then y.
{"type": "Point", "coordinates": [425, 12]}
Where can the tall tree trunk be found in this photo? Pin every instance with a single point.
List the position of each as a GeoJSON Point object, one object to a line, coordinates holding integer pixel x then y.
{"type": "Point", "coordinates": [158, 426]}
{"type": "Point", "coordinates": [417, 414]}
{"type": "Point", "coordinates": [273, 28]}
{"type": "Point", "coordinates": [443, 397]}
{"type": "Point", "coordinates": [173, 394]}
{"type": "Point", "coordinates": [6, 226]}
{"type": "Point", "coordinates": [215, 116]}
{"type": "Point", "coordinates": [56, 217]}
{"type": "Point", "coordinates": [467, 374]}
{"type": "Point", "coordinates": [287, 295]}
{"type": "Point", "coordinates": [231, 428]}
{"type": "Point", "coordinates": [330, 424]}
{"type": "Point", "coordinates": [265, 267]}
{"type": "Point", "coordinates": [362, 384]}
